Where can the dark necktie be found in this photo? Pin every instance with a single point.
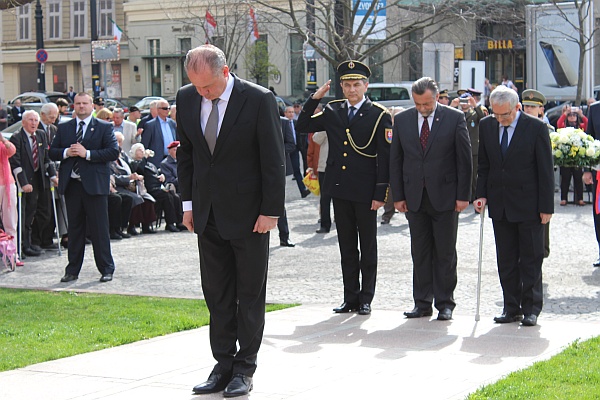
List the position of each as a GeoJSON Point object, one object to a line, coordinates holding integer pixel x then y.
{"type": "Point", "coordinates": [34, 152]}
{"type": "Point", "coordinates": [504, 141]}
{"type": "Point", "coordinates": [424, 133]}
{"type": "Point", "coordinates": [212, 125]}
{"type": "Point", "coordinates": [79, 137]}
{"type": "Point", "coordinates": [293, 131]}
{"type": "Point", "coordinates": [351, 114]}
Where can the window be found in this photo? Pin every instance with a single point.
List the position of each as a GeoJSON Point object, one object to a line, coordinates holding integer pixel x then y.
{"type": "Point", "coordinates": [24, 22]}
{"type": "Point", "coordinates": [155, 76]}
{"type": "Point", "coordinates": [185, 45]}
{"type": "Point", "coordinates": [79, 18]}
{"type": "Point", "coordinates": [297, 74]}
{"type": "Point", "coordinates": [105, 18]}
{"type": "Point", "coordinates": [54, 19]}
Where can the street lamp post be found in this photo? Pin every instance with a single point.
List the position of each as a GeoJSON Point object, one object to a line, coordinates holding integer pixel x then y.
{"type": "Point", "coordinates": [95, 65]}
{"type": "Point", "coordinates": [39, 42]}
{"type": "Point", "coordinates": [311, 65]}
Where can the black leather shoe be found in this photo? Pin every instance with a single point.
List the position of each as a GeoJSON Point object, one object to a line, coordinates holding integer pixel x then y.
{"type": "Point", "coordinates": [322, 230]}
{"type": "Point", "coordinates": [132, 231]}
{"type": "Point", "coordinates": [181, 227]}
{"type": "Point", "coordinates": [385, 221]}
{"type": "Point", "coordinates": [364, 309]}
{"type": "Point", "coordinates": [506, 318]}
{"type": "Point", "coordinates": [530, 320]}
{"type": "Point", "coordinates": [64, 242]}
{"type": "Point", "coordinates": [171, 228]}
{"type": "Point", "coordinates": [445, 315]}
{"type": "Point", "coordinates": [30, 252]}
{"type": "Point", "coordinates": [419, 312]}
{"type": "Point", "coordinates": [597, 263]}
{"type": "Point", "coordinates": [287, 243]}
{"type": "Point", "coordinates": [215, 383]}
{"type": "Point", "coordinates": [106, 278]}
{"type": "Point", "coordinates": [69, 278]}
{"type": "Point", "coordinates": [36, 248]}
{"type": "Point", "coordinates": [124, 235]}
{"type": "Point", "coordinates": [50, 246]}
{"type": "Point", "coordinates": [305, 193]}
{"type": "Point", "coordinates": [346, 308]}
{"type": "Point", "coordinates": [239, 385]}
{"type": "Point", "coordinates": [115, 236]}
{"type": "Point", "coordinates": [147, 229]}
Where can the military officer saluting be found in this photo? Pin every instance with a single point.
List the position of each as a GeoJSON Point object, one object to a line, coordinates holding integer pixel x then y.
{"type": "Point", "coordinates": [443, 97]}
{"type": "Point", "coordinates": [359, 133]}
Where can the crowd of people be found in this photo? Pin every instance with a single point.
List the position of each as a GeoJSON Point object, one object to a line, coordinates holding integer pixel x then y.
{"type": "Point", "coordinates": [143, 189]}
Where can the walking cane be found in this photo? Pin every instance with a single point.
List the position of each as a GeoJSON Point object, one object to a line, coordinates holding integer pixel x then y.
{"type": "Point", "coordinates": [16, 172]}
{"type": "Point", "coordinates": [55, 218]}
{"type": "Point", "coordinates": [478, 203]}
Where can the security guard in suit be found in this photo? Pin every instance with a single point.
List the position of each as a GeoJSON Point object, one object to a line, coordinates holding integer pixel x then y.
{"type": "Point", "coordinates": [533, 104]}
{"type": "Point", "coordinates": [467, 103]}
{"type": "Point", "coordinates": [359, 133]}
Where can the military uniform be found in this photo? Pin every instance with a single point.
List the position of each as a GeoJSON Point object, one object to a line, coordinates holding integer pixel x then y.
{"type": "Point", "coordinates": [357, 173]}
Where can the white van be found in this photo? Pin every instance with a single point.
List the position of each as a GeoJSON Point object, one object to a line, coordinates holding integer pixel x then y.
{"type": "Point", "coordinates": [391, 94]}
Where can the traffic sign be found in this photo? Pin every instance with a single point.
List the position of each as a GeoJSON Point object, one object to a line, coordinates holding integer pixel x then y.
{"type": "Point", "coordinates": [41, 56]}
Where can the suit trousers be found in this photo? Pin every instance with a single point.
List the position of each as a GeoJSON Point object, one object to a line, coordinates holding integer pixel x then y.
{"type": "Point", "coordinates": [565, 181]}
{"type": "Point", "coordinates": [234, 282]}
{"type": "Point", "coordinates": [324, 204]}
{"type": "Point", "coordinates": [295, 160]}
{"type": "Point", "coordinates": [84, 209]}
{"type": "Point", "coordinates": [596, 216]}
{"type": "Point", "coordinates": [282, 227]}
{"type": "Point", "coordinates": [354, 220]}
{"type": "Point", "coordinates": [520, 253]}
{"type": "Point", "coordinates": [433, 248]}
{"type": "Point", "coordinates": [31, 202]}
{"type": "Point", "coordinates": [42, 229]}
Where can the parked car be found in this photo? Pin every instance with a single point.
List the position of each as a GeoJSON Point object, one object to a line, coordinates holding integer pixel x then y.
{"type": "Point", "coordinates": [391, 94]}
{"type": "Point", "coordinates": [35, 101]}
{"type": "Point", "coordinates": [16, 127]}
{"type": "Point", "coordinates": [115, 103]}
{"type": "Point", "coordinates": [144, 104]}
{"type": "Point", "coordinates": [554, 113]}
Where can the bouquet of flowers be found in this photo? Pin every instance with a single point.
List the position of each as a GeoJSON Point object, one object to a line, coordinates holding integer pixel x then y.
{"type": "Point", "coordinates": [574, 148]}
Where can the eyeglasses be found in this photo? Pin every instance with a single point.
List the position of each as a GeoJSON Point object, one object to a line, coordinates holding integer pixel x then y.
{"type": "Point", "coordinates": [164, 108]}
{"type": "Point", "coordinates": [505, 115]}
{"type": "Point", "coordinates": [99, 104]}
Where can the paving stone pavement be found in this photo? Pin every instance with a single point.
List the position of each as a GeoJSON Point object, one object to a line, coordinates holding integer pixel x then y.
{"type": "Point", "coordinates": [166, 264]}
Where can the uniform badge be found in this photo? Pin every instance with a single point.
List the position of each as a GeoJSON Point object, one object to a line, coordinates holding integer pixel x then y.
{"type": "Point", "coordinates": [351, 65]}
{"type": "Point", "coordinates": [472, 124]}
{"type": "Point", "coordinates": [388, 135]}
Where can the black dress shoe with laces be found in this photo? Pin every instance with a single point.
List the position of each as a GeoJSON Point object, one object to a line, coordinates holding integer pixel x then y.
{"type": "Point", "coordinates": [30, 252]}
{"type": "Point", "coordinates": [240, 385]}
{"type": "Point", "coordinates": [215, 383]}
{"type": "Point", "coordinates": [506, 318]}
{"type": "Point", "coordinates": [419, 312]}
{"type": "Point", "coordinates": [529, 320]}
{"type": "Point", "coordinates": [364, 309]}
{"type": "Point", "coordinates": [445, 315]}
{"type": "Point", "coordinates": [171, 228]}
{"type": "Point", "coordinates": [147, 229]}
{"type": "Point", "coordinates": [106, 278]}
{"type": "Point", "coordinates": [286, 243]}
{"type": "Point", "coordinates": [346, 308]}
{"type": "Point", "coordinates": [69, 278]}
{"type": "Point", "coordinates": [124, 235]}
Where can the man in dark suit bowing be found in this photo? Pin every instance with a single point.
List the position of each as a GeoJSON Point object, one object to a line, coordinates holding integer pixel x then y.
{"type": "Point", "coordinates": [359, 134]}
{"type": "Point", "coordinates": [30, 164]}
{"type": "Point", "coordinates": [430, 171]}
{"type": "Point", "coordinates": [232, 178]}
{"type": "Point", "coordinates": [515, 177]}
{"type": "Point", "coordinates": [85, 147]}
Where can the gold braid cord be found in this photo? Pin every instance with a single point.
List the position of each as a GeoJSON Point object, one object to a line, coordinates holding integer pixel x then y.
{"type": "Point", "coordinates": [358, 148]}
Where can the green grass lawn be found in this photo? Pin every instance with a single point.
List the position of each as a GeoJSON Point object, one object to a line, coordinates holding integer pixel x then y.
{"type": "Point", "coordinates": [38, 326]}
{"type": "Point", "coordinates": [571, 374]}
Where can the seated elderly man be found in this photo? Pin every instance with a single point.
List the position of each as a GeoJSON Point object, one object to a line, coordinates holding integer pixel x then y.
{"type": "Point", "coordinates": [168, 166]}
{"type": "Point", "coordinates": [154, 181]}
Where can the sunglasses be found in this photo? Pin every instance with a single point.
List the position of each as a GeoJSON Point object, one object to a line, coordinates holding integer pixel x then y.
{"type": "Point", "coordinates": [164, 108]}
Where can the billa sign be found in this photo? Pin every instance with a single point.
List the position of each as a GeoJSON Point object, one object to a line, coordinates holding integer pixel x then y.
{"type": "Point", "coordinates": [500, 44]}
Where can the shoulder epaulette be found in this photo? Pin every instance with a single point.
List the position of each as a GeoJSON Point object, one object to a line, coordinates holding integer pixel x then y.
{"type": "Point", "coordinates": [336, 101]}
{"type": "Point", "coordinates": [376, 104]}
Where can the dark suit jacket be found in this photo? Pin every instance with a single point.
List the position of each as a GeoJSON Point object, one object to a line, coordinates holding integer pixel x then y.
{"type": "Point", "coordinates": [288, 135]}
{"type": "Point", "coordinates": [593, 127]}
{"type": "Point", "coordinates": [17, 114]}
{"type": "Point", "coordinates": [358, 173]}
{"type": "Point", "coordinates": [444, 168]}
{"type": "Point", "coordinates": [22, 162]}
{"type": "Point", "coordinates": [245, 176]}
{"type": "Point", "coordinates": [100, 140]}
{"type": "Point", "coordinates": [51, 132]}
{"type": "Point", "coordinates": [520, 186]}
{"type": "Point", "coordinates": [152, 138]}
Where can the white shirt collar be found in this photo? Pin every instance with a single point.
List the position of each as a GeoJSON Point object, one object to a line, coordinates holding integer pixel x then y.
{"type": "Point", "coordinates": [357, 105]}
{"type": "Point", "coordinates": [87, 120]}
{"type": "Point", "coordinates": [226, 93]}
